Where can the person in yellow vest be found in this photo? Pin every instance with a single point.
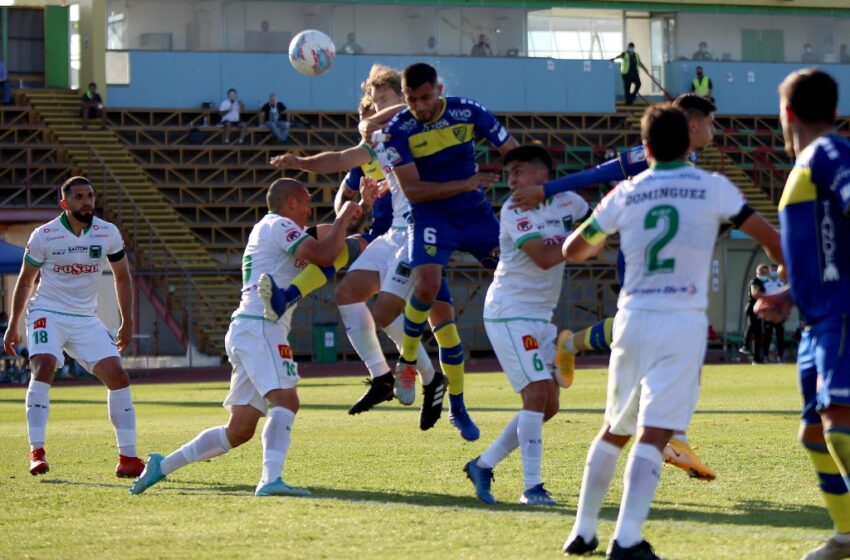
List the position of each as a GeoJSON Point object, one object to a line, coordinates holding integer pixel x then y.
{"type": "Point", "coordinates": [629, 65]}
{"type": "Point", "coordinates": [701, 85]}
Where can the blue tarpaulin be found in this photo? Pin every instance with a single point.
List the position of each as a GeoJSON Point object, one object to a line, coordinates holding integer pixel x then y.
{"type": "Point", "coordinates": [11, 257]}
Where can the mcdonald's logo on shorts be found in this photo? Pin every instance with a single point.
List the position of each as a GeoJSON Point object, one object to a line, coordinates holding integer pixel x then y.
{"type": "Point", "coordinates": [40, 323]}
{"type": "Point", "coordinates": [285, 351]}
{"type": "Point", "coordinates": [529, 343]}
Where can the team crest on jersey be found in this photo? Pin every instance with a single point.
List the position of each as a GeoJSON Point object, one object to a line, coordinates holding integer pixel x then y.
{"type": "Point", "coordinates": [285, 351]}
{"type": "Point", "coordinates": [431, 250]}
{"type": "Point", "coordinates": [292, 235]}
{"type": "Point", "coordinates": [40, 323]}
{"type": "Point", "coordinates": [568, 222]}
{"type": "Point", "coordinates": [95, 252]}
{"type": "Point", "coordinates": [524, 225]}
{"type": "Point", "coordinates": [529, 343]}
{"type": "Point", "coordinates": [460, 133]}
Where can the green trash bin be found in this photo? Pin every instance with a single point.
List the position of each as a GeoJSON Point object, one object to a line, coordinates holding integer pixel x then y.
{"type": "Point", "coordinates": [324, 343]}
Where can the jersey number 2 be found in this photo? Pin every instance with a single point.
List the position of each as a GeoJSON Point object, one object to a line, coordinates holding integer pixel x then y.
{"type": "Point", "coordinates": [670, 216]}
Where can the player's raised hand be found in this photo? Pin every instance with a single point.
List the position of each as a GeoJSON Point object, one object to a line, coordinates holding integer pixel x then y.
{"type": "Point", "coordinates": [367, 127]}
{"type": "Point", "coordinates": [284, 161]}
{"type": "Point", "coordinates": [482, 181]}
{"type": "Point", "coordinates": [369, 189]}
{"type": "Point", "coordinates": [775, 308]}
{"type": "Point", "coordinates": [11, 340]}
{"type": "Point", "coordinates": [526, 198]}
{"type": "Point", "coordinates": [124, 337]}
{"type": "Point", "coordinates": [350, 212]}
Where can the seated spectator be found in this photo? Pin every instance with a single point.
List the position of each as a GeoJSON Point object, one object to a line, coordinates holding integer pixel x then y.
{"type": "Point", "coordinates": [92, 107]}
{"type": "Point", "coordinates": [809, 56]}
{"type": "Point", "coordinates": [275, 116]}
{"type": "Point", "coordinates": [482, 47]}
{"type": "Point", "coordinates": [6, 92]}
{"type": "Point", "coordinates": [351, 46]}
{"type": "Point", "coordinates": [231, 114]}
{"type": "Point", "coordinates": [702, 53]}
{"type": "Point", "coordinates": [430, 48]}
{"type": "Point", "coordinates": [843, 55]}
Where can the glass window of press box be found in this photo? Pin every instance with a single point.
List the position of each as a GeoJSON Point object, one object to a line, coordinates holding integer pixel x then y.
{"type": "Point", "coordinates": [419, 29]}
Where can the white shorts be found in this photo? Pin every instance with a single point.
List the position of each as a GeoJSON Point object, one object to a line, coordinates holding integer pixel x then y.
{"type": "Point", "coordinates": [387, 255]}
{"type": "Point", "coordinates": [262, 361]}
{"type": "Point", "coordinates": [653, 378]}
{"type": "Point", "coordinates": [525, 349]}
{"type": "Point", "coordinates": [84, 338]}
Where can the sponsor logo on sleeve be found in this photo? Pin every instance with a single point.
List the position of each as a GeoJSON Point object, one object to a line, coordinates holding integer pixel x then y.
{"type": "Point", "coordinates": [292, 235]}
{"type": "Point", "coordinates": [40, 323]}
{"type": "Point", "coordinates": [524, 225]}
{"type": "Point", "coordinates": [529, 343]}
{"type": "Point", "coordinates": [285, 351]}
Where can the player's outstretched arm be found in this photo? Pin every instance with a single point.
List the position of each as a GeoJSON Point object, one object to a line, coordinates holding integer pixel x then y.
{"type": "Point", "coordinates": [324, 162]}
{"type": "Point", "coordinates": [20, 297]}
{"type": "Point", "coordinates": [759, 229]}
{"type": "Point", "coordinates": [416, 190]}
{"type": "Point", "coordinates": [124, 292]}
{"type": "Point", "coordinates": [324, 251]}
{"type": "Point", "coordinates": [544, 256]}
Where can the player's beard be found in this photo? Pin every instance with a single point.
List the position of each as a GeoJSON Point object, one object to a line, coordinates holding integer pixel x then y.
{"type": "Point", "coordinates": [84, 218]}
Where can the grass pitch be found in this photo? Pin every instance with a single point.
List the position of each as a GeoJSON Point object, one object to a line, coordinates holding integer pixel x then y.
{"type": "Point", "coordinates": [381, 488]}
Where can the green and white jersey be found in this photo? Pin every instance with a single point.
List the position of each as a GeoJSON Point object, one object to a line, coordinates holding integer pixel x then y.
{"type": "Point", "coordinates": [271, 250]}
{"type": "Point", "coordinates": [71, 266]}
{"type": "Point", "coordinates": [401, 206]}
{"type": "Point", "coordinates": [668, 219]}
{"type": "Point", "coordinates": [521, 289]}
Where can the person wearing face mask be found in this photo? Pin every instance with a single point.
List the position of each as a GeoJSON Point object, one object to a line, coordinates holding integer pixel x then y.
{"type": "Point", "coordinates": [629, 65]}
{"type": "Point", "coordinates": [809, 56]}
{"type": "Point", "coordinates": [701, 85]}
{"type": "Point", "coordinates": [754, 335]}
{"type": "Point", "coordinates": [773, 285]}
{"type": "Point", "coordinates": [702, 53]}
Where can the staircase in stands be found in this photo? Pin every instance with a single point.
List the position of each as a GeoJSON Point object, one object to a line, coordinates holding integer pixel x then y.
{"type": "Point", "coordinates": [712, 159]}
{"type": "Point", "coordinates": [168, 259]}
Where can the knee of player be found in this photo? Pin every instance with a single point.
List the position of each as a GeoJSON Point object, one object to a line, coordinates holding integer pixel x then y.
{"type": "Point", "coordinates": [384, 316]}
{"type": "Point", "coordinates": [552, 407]}
{"type": "Point", "coordinates": [343, 294]}
{"type": "Point", "coordinates": [811, 434]}
{"type": "Point", "coordinates": [535, 397]}
{"type": "Point", "coordinates": [240, 433]}
{"type": "Point", "coordinates": [110, 372]}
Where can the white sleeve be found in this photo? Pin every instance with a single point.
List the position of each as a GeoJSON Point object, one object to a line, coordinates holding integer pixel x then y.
{"type": "Point", "coordinates": [728, 199]}
{"type": "Point", "coordinates": [606, 215]}
{"type": "Point", "coordinates": [225, 105]}
{"type": "Point", "coordinates": [520, 225]}
{"type": "Point", "coordinates": [291, 236]}
{"type": "Point", "coordinates": [35, 252]}
{"type": "Point", "coordinates": [579, 208]}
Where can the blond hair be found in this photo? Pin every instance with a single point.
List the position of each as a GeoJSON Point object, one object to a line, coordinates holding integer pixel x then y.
{"type": "Point", "coordinates": [382, 76]}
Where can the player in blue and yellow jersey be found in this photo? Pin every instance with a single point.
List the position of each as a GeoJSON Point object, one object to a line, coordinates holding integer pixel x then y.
{"type": "Point", "coordinates": [814, 215]}
{"type": "Point", "coordinates": [431, 148]}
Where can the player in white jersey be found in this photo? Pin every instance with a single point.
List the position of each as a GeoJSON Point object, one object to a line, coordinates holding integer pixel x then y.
{"type": "Point", "coordinates": [383, 269]}
{"type": "Point", "coordinates": [668, 218]}
{"type": "Point", "coordinates": [264, 374]}
{"type": "Point", "coordinates": [518, 319]}
{"type": "Point", "coordinates": [71, 253]}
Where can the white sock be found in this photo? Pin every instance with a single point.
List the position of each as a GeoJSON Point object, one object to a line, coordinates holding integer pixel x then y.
{"type": "Point", "coordinates": [206, 445]}
{"type": "Point", "coordinates": [530, 435]}
{"type": "Point", "coordinates": [681, 436]}
{"type": "Point", "coordinates": [276, 438]}
{"type": "Point", "coordinates": [424, 365]}
{"type": "Point", "coordinates": [501, 447]}
{"type": "Point", "coordinates": [360, 328]}
{"type": "Point", "coordinates": [598, 472]}
{"type": "Point", "coordinates": [641, 480]}
{"type": "Point", "coordinates": [123, 417]}
{"type": "Point", "coordinates": [38, 407]}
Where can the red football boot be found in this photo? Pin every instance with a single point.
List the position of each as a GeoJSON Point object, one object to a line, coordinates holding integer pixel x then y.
{"type": "Point", "coordinates": [129, 467]}
{"type": "Point", "coordinates": [38, 464]}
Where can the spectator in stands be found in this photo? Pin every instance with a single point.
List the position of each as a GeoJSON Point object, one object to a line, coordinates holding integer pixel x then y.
{"type": "Point", "coordinates": [430, 48]}
{"type": "Point", "coordinates": [701, 85]}
{"type": "Point", "coordinates": [809, 56]}
{"type": "Point", "coordinates": [482, 47]}
{"type": "Point", "coordinates": [702, 53]}
{"type": "Point", "coordinates": [92, 107]}
{"type": "Point", "coordinates": [266, 39]}
{"type": "Point", "coordinates": [5, 91]}
{"type": "Point", "coordinates": [773, 285]}
{"type": "Point", "coordinates": [275, 116]}
{"type": "Point", "coordinates": [843, 55]}
{"type": "Point", "coordinates": [629, 65]}
{"type": "Point", "coordinates": [754, 335]}
{"type": "Point", "coordinates": [351, 46]}
{"type": "Point", "coordinates": [231, 114]}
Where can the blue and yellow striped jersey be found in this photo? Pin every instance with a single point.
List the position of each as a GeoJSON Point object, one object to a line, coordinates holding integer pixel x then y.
{"type": "Point", "coordinates": [444, 149]}
{"type": "Point", "coordinates": [813, 213]}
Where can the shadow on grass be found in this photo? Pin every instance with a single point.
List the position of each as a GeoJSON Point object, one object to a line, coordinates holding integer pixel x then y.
{"type": "Point", "coordinates": [63, 482]}
{"type": "Point", "coordinates": [744, 512]}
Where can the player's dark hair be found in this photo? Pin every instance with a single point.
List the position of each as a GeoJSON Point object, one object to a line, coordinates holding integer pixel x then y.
{"type": "Point", "coordinates": [665, 129]}
{"type": "Point", "coordinates": [529, 153]}
{"type": "Point", "coordinates": [419, 74]}
{"type": "Point", "coordinates": [811, 94]}
{"type": "Point", "coordinates": [694, 106]}
{"type": "Point", "coordinates": [72, 182]}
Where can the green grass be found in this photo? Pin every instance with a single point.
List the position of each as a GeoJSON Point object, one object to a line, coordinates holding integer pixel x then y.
{"type": "Point", "coordinates": [381, 488]}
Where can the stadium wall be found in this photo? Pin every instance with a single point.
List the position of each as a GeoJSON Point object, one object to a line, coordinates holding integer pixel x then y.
{"type": "Point", "coordinates": [186, 79]}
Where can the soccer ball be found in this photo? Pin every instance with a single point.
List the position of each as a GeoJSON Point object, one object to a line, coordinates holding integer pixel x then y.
{"type": "Point", "coordinates": [311, 52]}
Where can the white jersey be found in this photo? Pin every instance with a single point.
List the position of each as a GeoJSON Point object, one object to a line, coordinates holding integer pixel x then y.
{"type": "Point", "coordinates": [401, 206]}
{"type": "Point", "coordinates": [271, 247]}
{"type": "Point", "coordinates": [521, 289]}
{"type": "Point", "coordinates": [668, 222]}
{"type": "Point", "coordinates": [71, 266]}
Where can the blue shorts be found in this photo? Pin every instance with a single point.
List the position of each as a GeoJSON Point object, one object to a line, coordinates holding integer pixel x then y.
{"type": "Point", "coordinates": [823, 360]}
{"type": "Point", "coordinates": [433, 235]}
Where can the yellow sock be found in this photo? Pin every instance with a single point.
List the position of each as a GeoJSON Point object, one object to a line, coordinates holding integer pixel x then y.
{"type": "Point", "coordinates": [451, 355]}
{"type": "Point", "coordinates": [415, 316]}
{"type": "Point", "coordinates": [832, 484]}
